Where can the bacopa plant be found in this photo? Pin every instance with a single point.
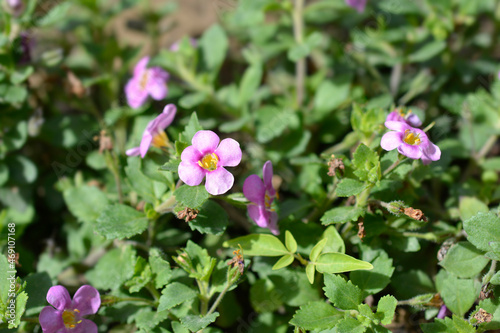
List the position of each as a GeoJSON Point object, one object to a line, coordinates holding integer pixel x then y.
{"type": "Point", "coordinates": [249, 166]}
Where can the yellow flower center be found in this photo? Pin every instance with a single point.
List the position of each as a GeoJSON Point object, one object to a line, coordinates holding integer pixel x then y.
{"type": "Point", "coordinates": [160, 140]}
{"type": "Point", "coordinates": [144, 79]}
{"type": "Point", "coordinates": [69, 319]}
{"type": "Point", "coordinates": [209, 162]}
{"type": "Point", "coordinates": [411, 139]}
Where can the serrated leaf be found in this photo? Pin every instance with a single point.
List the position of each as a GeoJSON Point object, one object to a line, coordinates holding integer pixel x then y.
{"type": "Point", "coordinates": [258, 245]}
{"type": "Point", "coordinates": [348, 187]}
{"type": "Point", "coordinates": [211, 219]}
{"type": "Point", "coordinates": [290, 242]}
{"type": "Point", "coordinates": [386, 308]}
{"type": "Point", "coordinates": [85, 202]}
{"type": "Point", "coordinates": [195, 323]}
{"type": "Point", "coordinates": [283, 262]}
{"type": "Point", "coordinates": [470, 206]}
{"type": "Point", "coordinates": [191, 196]}
{"type": "Point", "coordinates": [464, 260]}
{"type": "Point", "coordinates": [339, 263]}
{"type": "Point", "coordinates": [482, 229]}
{"type": "Point", "coordinates": [373, 281]}
{"type": "Point", "coordinates": [316, 316]}
{"type": "Point", "coordinates": [160, 268]}
{"type": "Point", "coordinates": [113, 269]}
{"type": "Point", "coordinates": [175, 294]}
{"type": "Point", "coordinates": [191, 128]}
{"type": "Point", "coordinates": [310, 270]}
{"type": "Point", "coordinates": [366, 162]}
{"type": "Point", "coordinates": [120, 221]}
{"type": "Point", "coordinates": [350, 325]}
{"type": "Point", "coordinates": [342, 214]}
{"type": "Point", "coordinates": [21, 300]}
{"type": "Point", "coordinates": [316, 250]}
{"type": "Point", "coordinates": [343, 294]}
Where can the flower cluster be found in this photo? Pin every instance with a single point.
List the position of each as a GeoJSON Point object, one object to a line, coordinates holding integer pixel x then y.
{"type": "Point", "coordinates": [66, 315]}
{"type": "Point", "coordinates": [411, 142]}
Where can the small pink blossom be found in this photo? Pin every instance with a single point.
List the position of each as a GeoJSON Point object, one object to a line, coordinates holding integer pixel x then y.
{"type": "Point", "coordinates": [66, 315]}
{"type": "Point", "coordinates": [359, 5]}
{"type": "Point", "coordinates": [154, 134]}
{"type": "Point", "coordinates": [146, 82]}
{"type": "Point", "coordinates": [262, 195]}
{"type": "Point", "coordinates": [17, 6]}
{"type": "Point", "coordinates": [411, 142]}
{"type": "Point", "coordinates": [409, 117]}
{"type": "Point", "coordinates": [207, 157]}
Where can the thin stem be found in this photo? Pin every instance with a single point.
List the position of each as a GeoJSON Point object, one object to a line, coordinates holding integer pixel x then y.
{"type": "Point", "coordinates": [491, 272]}
{"type": "Point", "coordinates": [300, 66]}
{"type": "Point", "coordinates": [152, 290]}
{"type": "Point", "coordinates": [487, 146]}
{"type": "Point", "coordinates": [300, 259]}
{"type": "Point", "coordinates": [204, 297]}
{"type": "Point", "coordinates": [393, 166]}
{"type": "Point", "coordinates": [219, 299]}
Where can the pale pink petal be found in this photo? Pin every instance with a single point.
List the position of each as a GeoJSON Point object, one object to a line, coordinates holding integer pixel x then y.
{"type": "Point", "coordinates": [267, 175]}
{"type": "Point", "coordinates": [431, 152]}
{"type": "Point", "coordinates": [87, 300]}
{"type": "Point", "coordinates": [394, 116]}
{"type": "Point", "coordinates": [273, 223]}
{"type": "Point", "coordinates": [157, 88]}
{"type": "Point", "coordinates": [191, 154]}
{"type": "Point", "coordinates": [397, 126]}
{"type": "Point", "coordinates": [205, 141]}
{"type": "Point", "coordinates": [51, 320]}
{"type": "Point", "coordinates": [413, 120]}
{"type": "Point", "coordinates": [190, 173]}
{"type": "Point", "coordinates": [141, 66]}
{"type": "Point", "coordinates": [145, 143]}
{"type": "Point", "coordinates": [58, 297]}
{"type": "Point", "coordinates": [86, 326]}
{"type": "Point", "coordinates": [135, 95]}
{"type": "Point", "coordinates": [158, 73]}
{"type": "Point", "coordinates": [259, 214]}
{"type": "Point", "coordinates": [254, 189]}
{"type": "Point", "coordinates": [391, 140]}
{"type": "Point", "coordinates": [167, 116]}
{"type": "Point", "coordinates": [229, 153]}
{"type": "Point", "coordinates": [410, 151]}
{"type": "Point", "coordinates": [133, 151]}
{"type": "Point", "coordinates": [219, 181]}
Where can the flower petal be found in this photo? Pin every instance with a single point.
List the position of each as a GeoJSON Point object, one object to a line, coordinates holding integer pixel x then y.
{"type": "Point", "coordinates": [145, 143]}
{"type": "Point", "coordinates": [133, 151]}
{"type": "Point", "coordinates": [397, 126]}
{"type": "Point", "coordinates": [167, 116]}
{"type": "Point", "coordinates": [254, 189]}
{"type": "Point", "coordinates": [190, 173]}
{"type": "Point", "coordinates": [157, 88]}
{"type": "Point", "coordinates": [141, 66]}
{"type": "Point", "coordinates": [87, 300]}
{"type": "Point", "coordinates": [86, 326]}
{"type": "Point", "coordinates": [394, 116]}
{"type": "Point", "coordinates": [191, 154]}
{"type": "Point", "coordinates": [135, 95]}
{"type": "Point", "coordinates": [205, 141]}
{"type": "Point", "coordinates": [229, 153]}
{"type": "Point", "coordinates": [273, 223]}
{"type": "Point", "coordinates": [431, 153]}
{"type": "Point", "coordinates": [413, 120]}
{"type": "Point", "coordinates": [267, 175]}
{"type": "Point", "coordinates": [219, 181]}
{"type": "Point", "coordinates": [391, 140]}
{"type": "Point", "coordinates": [51, 320]}
{"type": "Point", "coordinates": [410, 151]}
{"type": "Point", "coordinates": [58, 297]}
{"type": "Point", "coordinates": [259, 214]}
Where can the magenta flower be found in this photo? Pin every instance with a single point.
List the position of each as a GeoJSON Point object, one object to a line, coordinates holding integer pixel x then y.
{"type": "Point", "coordinates": [67, 317]}
{"type": "Point", "coordinates": [207, 157]}
{"type": "Point", "coordinates": [411, 142]}
{"type": "Point", "coordinates": [410, 118]}
{"type": "Point", "coordinates": [154, 134]}
{"type": "Point", "coordinates": [359, 5]}
{"type": "Point", "coordinates": [146, 81]}
{"type": "Point", "coordinates": [262, 195]}
{"type": "Point", "coordinates": [17, 6]}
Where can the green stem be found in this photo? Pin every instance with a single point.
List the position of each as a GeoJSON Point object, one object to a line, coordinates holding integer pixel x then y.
{"type": "Point", "coordinates": [300, 259]}
{"type": "Point", "coordinates": [362, 198]}
{"type": "Point", "coordinates": [204, 296]}
{"type": "Point", "coordinates": [152, 290]}
{"type": "Point", "coordinates": [427, 236]}
{"type": "Point", "coordinates": [491, 272]}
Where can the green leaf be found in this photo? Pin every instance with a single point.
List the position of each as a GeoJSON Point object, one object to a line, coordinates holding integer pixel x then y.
{"type": "Point", "coordinates": [343, 294]}
{"type": "Point", "coordinates": [191, 196]}
{"type": "Point", "coordinates": [464, 260]}
{"type": "Point", "coordinates": [273, 121]}
{"type": "Point", "coordinates": [290, 242]}
{"type": "Point", "coordinates": [113, 269]}
{"type": "Point", "coordinates": [470, 206]}
{"type": "Point", "coordinates": [249, 83]}
{"type": "Point", "coordinates": [348, 187]}
{"type": "Point", "coordinates": [14, 94]}
{"type": "Point", "coordinates": [334, 243]}
{"type": "Point", "coordinates": [367, 164]}
{"type": "Point", "coordinates": [85, 202]}
{"type": "Point", "coordinates": [37, 286]}
{"type": "Point", "coordinates": [211, 219]}
{"type": "Point", "coordinates": [172, 165]}
{"type": "Point", "coordinates": [339, 263]}
{"type": "Point", "coordinates": [189, 101]}
{"type": "Point", "coordinates": [119, 221]}
{"type": "Point", "coordinates": [310, 270]}
{"type": "Point", "coordinates": [373, 281]}
{"type": "Point", "coordinates": [482, 229]}
{"type": "Point", "coordinates": [195, 323]}
{"type": "Point", "coordinates": [15, 137]}
{"type": "Point", "coordinates": [160, 268]}
{"type": "Point", "coordinates": [284, 261]}
{"type": "Point", "coordinates": [191, 128]}
{"type": "Point", "coordinates": [264, 297]}
{"type": "Point", "coordinates": [143, 185]}
{"type": "Point", "coordinates": [317, 249]}
{"type": "Point", "coordinates": [5, 271]}
{"type": "Point", "coordinates": [386, 308]}
{"type": "Point", "coordinates": [142, 276]}
{"type": "Point", "coordinates": [495, 278]}
{"type": "Point", "coordinates": [330, 95]}
{"type": "Point", "coordinates": [175, 294]}
{"type": "Point", "coordinates": [214, 45]}
{"type": "Point", "coordinates": [316, 316]}
{"type": "Point", "coordinates": [22, 170]}
{"type": "Point", "coordinates": [21, 300]}
{"type": "Point", "coordinates": [428, 51]}
{"type": "Point", "coordinates": [20, 75]}
{"type": "Point", "coordinates": [259, 245]}
{"type": "Point", "coordinates": [458, 294]}
{"type": "Point", "coordinates": [55, 15]}
{"type": "Point", "coordinates": [342, 214]}
{"type": "Point", "coordinates": [350, 325]}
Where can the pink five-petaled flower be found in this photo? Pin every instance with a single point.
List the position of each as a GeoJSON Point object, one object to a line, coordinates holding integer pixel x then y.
{"type": "Point", "coordinates": [411, 142]}
{"type": "Point", "coordinates": [67, 315]}
{"type": "Point", "coordinates": [359, 5]}
{"type": "Point", "coordinates": [409, 117]}
{"type": "Point", "coordinates": [146, 81]}
{"type": "Point", "coordinates": [262, 195]}
{"type": "Point", "coordinates": [154, 134]}
{"type": "Point", "coordinates": [208, 157]}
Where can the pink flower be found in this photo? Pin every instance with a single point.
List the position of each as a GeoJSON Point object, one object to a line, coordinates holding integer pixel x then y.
{"type": "Point", "coordinates": [154, 134]}
{"type": "Point", "coordinates": [262, 195]}
{"type": "Point", "coordinates": [67, 315]}
{"type": "Point", "coordinates": [410, 118]}
{"type": "Point", "coordinates": [207, 157]}
{"type": "Point", "coordinates": [411, 142]}
{"type": "Point", "coordinates": [359, 5]}
{"type": "Point", "coordinates": [146, 81]}
{"type": "Point", "coordinates": [17, 7]}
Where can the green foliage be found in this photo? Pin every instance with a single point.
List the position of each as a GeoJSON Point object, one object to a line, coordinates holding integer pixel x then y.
{"type": "Point", "coordinates": [191, 196]}
{"type": "Point", "coordinates": [175, 294]}
{"type": "Point", "coordinates": [258, 245]}
{"type": "Point", "coordinates": [342, 215]}
{"type": "Point", "coordinates": [85, 202]}
{"type": "Point", "coordinates": [120, 221]}
{"type": "Point", "coordinates": [348, 187]}
{"type": "Point", "coordinates": [339, 263]}
{"type": "Point", "coordinates": [316, 316]}
{"type": "Point", "coordinates": [458, 294]}
{"type": "Point", "coordinates": [464, 260]}
{"type": "Point", "coordinates": [343, 294]}
{"type": "Point", "coordinates": [113, 269]}
{"type": "Point", "coordinates": [482, 229]}
{"type": "Point", "coordinates": [211, 219]}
